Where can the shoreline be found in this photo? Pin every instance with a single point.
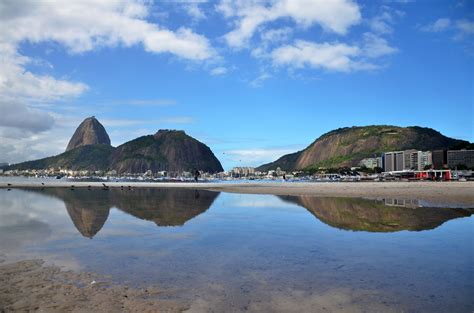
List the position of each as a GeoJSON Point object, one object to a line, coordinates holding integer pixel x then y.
{"type": "Point", "coordinates": [448, 193]}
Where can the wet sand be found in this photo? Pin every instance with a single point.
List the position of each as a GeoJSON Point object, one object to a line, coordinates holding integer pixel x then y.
{"type": "Point", "coordinates": [438, 193]}
{"type": "Point", "coordinates": [442, 193]}
{"type": "Point", "coordinates": [27, 286]}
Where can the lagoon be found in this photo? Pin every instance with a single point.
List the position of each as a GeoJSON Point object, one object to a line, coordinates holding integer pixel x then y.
{"type": "Point", "coordinates": [216, 251]}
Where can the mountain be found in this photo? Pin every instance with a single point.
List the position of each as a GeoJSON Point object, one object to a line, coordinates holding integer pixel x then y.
{"type": "Point", "coordinates": [347, 146]}
{"type": "Point", "coordinates": [167, 150]}
{"type": "Point", "coordinates": [89, 132]}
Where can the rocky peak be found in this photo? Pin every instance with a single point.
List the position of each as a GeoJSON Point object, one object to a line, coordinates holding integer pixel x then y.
{"type": "Point", "coordinates": [89, 132]}
{"type": "Point", "coordinates": [165, 132]}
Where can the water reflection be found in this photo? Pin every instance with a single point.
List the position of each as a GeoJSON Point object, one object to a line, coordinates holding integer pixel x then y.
{"type": "Point", "coordinates": [257, 253]}
{"type": "Point", "coordinates": [390, 215]}
{"type": "Point", "coordinates": [89, 209]}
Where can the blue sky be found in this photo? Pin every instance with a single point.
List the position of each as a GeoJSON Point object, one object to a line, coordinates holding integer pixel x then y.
{"type": "Point", "coordinates": [253, 80]}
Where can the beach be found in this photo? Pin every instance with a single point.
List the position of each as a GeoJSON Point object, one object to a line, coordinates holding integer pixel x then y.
{"type": "Point", "coordinates": [29, 285]}
{"type": "Point", "coordinates": [441, 193]}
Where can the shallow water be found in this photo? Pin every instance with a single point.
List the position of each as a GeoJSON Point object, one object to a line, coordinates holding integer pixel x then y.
{"type": "Point", "coordinates": [232, 252]}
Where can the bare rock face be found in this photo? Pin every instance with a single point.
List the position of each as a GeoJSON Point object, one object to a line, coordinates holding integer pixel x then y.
{"type": "Point", "coordinates": [89, 132]}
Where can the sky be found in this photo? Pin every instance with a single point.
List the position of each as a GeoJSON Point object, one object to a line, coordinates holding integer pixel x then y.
{"type": "Point", "coordinates": [253, 80]}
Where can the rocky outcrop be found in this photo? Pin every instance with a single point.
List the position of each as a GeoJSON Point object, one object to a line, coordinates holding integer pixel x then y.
{"type": "Point", "coordinates": [89, 132]}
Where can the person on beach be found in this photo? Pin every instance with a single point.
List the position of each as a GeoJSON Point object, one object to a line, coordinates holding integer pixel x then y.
{"type": "Point", "coordinates": [196, 176]}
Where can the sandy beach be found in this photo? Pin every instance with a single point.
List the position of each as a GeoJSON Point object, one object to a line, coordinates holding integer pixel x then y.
{"type": "Point", "coordinates": [29, 285]}
{"type": "Point", "coordinates": [442, 193]}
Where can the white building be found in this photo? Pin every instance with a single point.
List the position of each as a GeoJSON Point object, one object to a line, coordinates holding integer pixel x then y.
{"type": "Point", "coordinates": [407, 160]}
{"type": "Point", "coordinates": [371, 162]}
{"type": "Point", "coordinates": [243, 171]}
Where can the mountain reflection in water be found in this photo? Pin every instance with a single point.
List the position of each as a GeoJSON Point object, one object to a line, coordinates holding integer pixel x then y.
{"type": "Point", "coordinates": [89, 209]}
{"type": "Point", "coordinates": [376, 216]}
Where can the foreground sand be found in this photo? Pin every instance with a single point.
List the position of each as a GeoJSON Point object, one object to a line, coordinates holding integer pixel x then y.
{"type": "Point", "coordinates": [27, 286]}
{"type": "Point", "coordinates": [443, 193]}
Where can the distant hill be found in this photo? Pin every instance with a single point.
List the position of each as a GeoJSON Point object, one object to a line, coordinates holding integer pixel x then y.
{"type": "Point", "coordinates": [90, 157]}
{"type": "Point", "coordinates": [347, 146]}
{"type": "Point", "coordinates": [89, 132]}
{"type": "Point", "coordinates": [167, 150]}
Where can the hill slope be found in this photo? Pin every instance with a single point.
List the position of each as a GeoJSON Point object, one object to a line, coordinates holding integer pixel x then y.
{"type": "Point", "coordinates": [89, 157]}
{"type": "Point", "coordinates": [169, 150]}
{"type": "Point", "coordinates": [347, 146]}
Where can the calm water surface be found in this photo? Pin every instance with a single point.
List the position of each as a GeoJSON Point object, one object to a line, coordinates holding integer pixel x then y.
{"type": "Point", "coordinates": [231, 252]}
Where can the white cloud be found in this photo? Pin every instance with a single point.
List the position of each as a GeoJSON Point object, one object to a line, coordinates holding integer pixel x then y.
{"type": "Point", "coordinates": [276, 35]}
{"type": "Point", "coordinates": [260, 79]}
{"type": "Point", "coordinates": [375, 46]}
{"type": "Point", "coordinates": [461, 29]}
{"type": "Point", "coordinates": [439, 25]}
{"type": "Point", "coordinates": [383, 22]}
{"type": "Point", "coordinates": [270, 38]}
{"type": "Point", "coordinates": [106, 23]}
{"type": "Point", "coordinates": [334, 16]}
{"type": "Point", "coordinates": [16, 114]}
{"type": "Point", "coordinates": [339, 57]}
{"type": "Point", "coordinates": [218, 71]}
{"type": "Point", "coordinates": [18, 83]}
{"type": "Point", "coordinates": [336, 55]}
{"type": "Point", "coordinates": [465, 27]}
{"type": "Point", "coordinates": [330, 56]}
{"type": "Point", "coordinates": [17, 147]}
{"type": "Point", "coordinates": [194, 11]}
